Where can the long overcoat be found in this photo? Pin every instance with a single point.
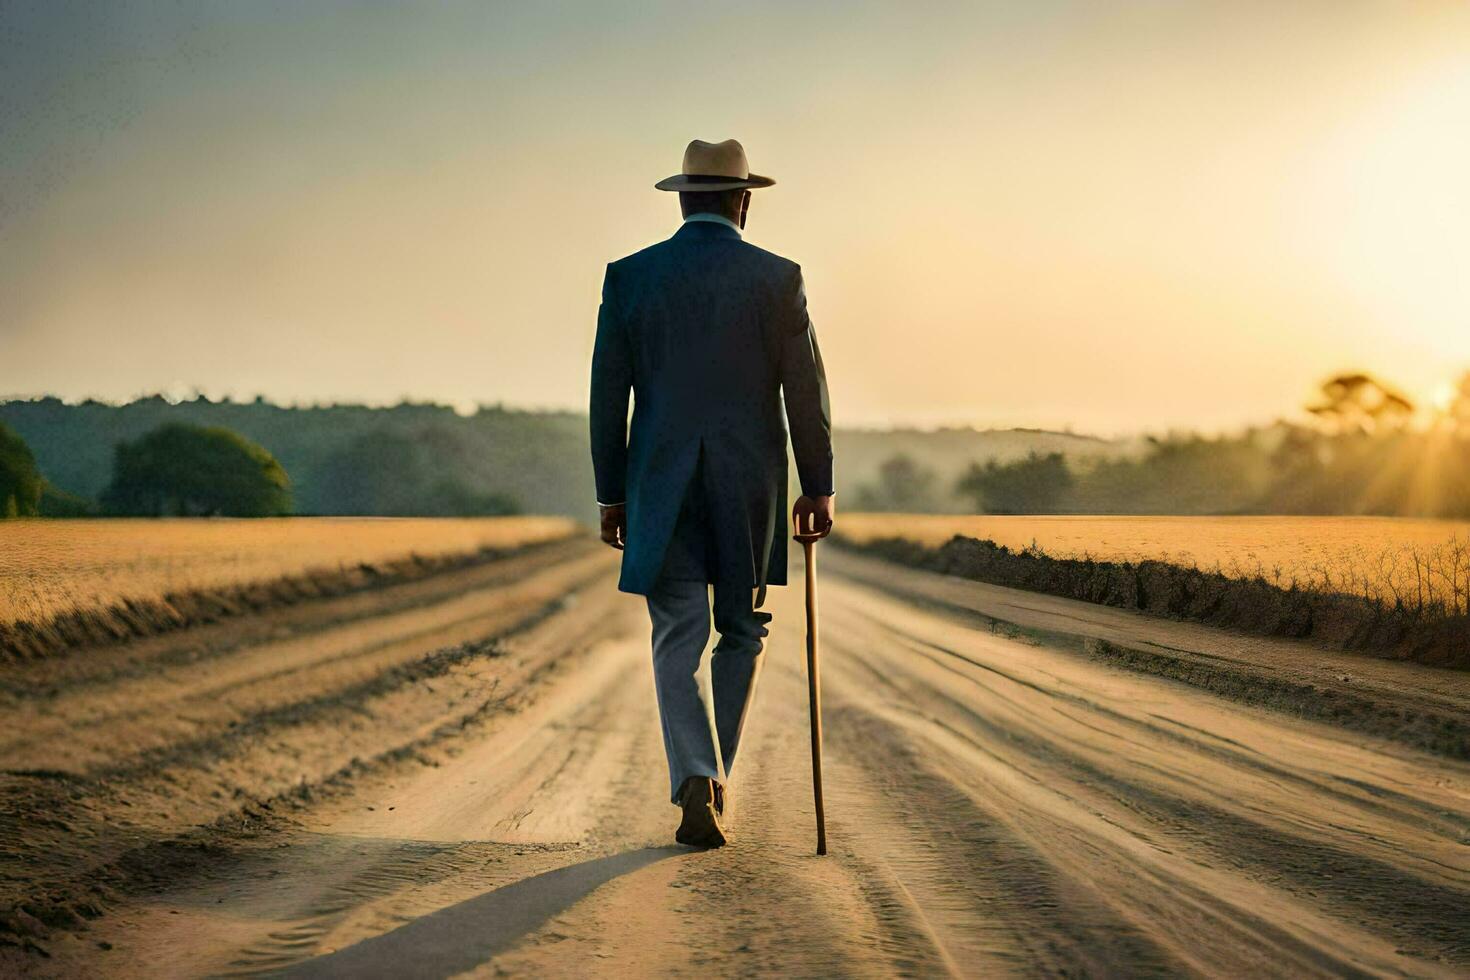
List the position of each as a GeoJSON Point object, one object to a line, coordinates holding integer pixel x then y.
{"type": "Point", "coordinates": [707, 333]}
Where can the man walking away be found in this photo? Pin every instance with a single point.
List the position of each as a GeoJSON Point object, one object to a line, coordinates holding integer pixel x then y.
{"type": "Point", "coordinates": [708, 333]}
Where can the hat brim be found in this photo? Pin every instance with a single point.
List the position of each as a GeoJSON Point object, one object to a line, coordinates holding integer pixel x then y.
{"type": "Point", "coordinates": [705, 182]}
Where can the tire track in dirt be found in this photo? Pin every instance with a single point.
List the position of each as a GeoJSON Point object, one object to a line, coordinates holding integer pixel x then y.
{"type": "Point", "coordinates": [1434, 825]}
{"type": "Point", "coordinates": [1423, 707]}
{"type": "Point", "coordinates": [120, 784]}
{"type": "Point", "coordinates": [57, 731]}
{"type": "Point", "coordinates": [995, 807]}
{"type": "Point", "coordinates": [982, 728]}
{"type": "Point", "coordinates": [511, 798]}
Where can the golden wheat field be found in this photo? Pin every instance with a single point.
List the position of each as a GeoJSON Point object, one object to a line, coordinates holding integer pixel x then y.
{"type": "Point", "coordinates": [1357, 550]}
{"type": "Point", "coordinates": [50, 566]}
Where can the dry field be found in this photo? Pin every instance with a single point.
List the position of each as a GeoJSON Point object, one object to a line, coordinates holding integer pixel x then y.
{"type": "Point", "coordinates": [1306, 549]}
{"type": "Point", "coordinates": [52, 566]}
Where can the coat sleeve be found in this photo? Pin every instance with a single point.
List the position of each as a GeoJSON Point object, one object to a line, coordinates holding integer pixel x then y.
{"type": "Point", "coordinates": [612, 382]}
{"type": "Point", "coordinates": [804, 387]}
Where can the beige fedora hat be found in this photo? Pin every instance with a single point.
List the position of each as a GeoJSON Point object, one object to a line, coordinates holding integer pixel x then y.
{"type": "Point", "coordinates": [714, 167]}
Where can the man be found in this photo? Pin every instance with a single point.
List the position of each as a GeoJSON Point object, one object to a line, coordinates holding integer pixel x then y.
{"type": "Point", "coordinates": [707, 332]}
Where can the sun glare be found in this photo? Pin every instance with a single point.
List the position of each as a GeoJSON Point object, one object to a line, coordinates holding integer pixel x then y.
{"type": "Point", "coordinates": [1443, 396]}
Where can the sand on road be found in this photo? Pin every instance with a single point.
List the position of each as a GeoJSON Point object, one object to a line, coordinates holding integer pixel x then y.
{"type": "Point", "coordinates": [996, 806]}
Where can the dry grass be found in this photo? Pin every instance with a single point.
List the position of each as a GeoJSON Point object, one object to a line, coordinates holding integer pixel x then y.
{"type": "Point", "coordinates": [52, 567]}
{"type": "Point", "coordinates": [1432, 581]}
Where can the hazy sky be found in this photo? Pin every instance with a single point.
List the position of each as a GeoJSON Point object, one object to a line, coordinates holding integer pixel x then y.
{"type": "Point", "coordinates": [1113, 215]}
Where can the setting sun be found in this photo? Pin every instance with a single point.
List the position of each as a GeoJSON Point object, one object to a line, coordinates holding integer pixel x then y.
{"type": "Point", "coordinates": [1443, 396]}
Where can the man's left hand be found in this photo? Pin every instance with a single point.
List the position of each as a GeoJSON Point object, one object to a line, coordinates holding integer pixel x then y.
{"type": "Point", "coordinates": [615, 525]}
{"type": "Point", "coordinates": [813, 515]}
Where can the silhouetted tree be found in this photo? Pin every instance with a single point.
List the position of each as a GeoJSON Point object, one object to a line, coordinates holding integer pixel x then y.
{"type": "Point", "coordinates": [903, 485]}
{"type": "Point", "coordinates": [1034, 485]}
{"type": "Point", "coordinates": [1357, 402]}
{"type": "Point", "coordinates": [20, 481]}
{"type": "Point", "coordinates": [186, 470]}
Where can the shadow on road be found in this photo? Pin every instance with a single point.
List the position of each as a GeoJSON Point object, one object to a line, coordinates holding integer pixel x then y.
{"type": "Point", "coordinates": [460, 937]}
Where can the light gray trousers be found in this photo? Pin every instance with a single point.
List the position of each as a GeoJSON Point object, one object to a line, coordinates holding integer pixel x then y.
{"type": "Point", "coordinates": [697, 745]}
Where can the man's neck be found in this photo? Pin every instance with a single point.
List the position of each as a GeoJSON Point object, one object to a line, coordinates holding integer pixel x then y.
{"type": "Point", "coordinates": [719, 219]}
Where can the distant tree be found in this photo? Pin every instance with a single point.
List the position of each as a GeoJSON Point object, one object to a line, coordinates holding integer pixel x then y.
{"type": "Point", "coordinates": [392, 473]}
{"type": "Point", "coordinates": [374, 474]}
{"type": "Point", "coordinates": [187, 470]}
{"type": "Point", "coordinates": [452, 498]}
{"type": "Point", "coordinates": [20, 481]}
{"type": "Point", "coordinates": [1363, 457]}
{"type": "Point", "coordinates": [1180, 473]}
{"type": "Point", "coordinates": [1034, 485]}
{"type": "Point", "coordinates": [903, 486]}
{"type": "Point", "coordinates": [1359, 403]}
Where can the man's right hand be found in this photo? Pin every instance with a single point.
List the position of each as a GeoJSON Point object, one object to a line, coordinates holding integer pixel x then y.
{"type": "Point", "coordinates": [813, 515]}
{"type": "Point", "coordinates": [615, 525]}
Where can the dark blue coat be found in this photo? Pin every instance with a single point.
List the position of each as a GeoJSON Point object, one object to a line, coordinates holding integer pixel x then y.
{"type": "Point", "coordinates": [707, 332]}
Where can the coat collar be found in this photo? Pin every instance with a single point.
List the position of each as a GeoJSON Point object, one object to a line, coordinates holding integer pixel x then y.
{"type": "Point", "coordinates": [694, 231]}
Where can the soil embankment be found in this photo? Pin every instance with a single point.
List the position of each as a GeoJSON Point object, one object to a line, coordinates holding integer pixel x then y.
{"type": "Point", "coordinates": [1330, 619]}
{"type": "Point", "coordinates": [133, 618]}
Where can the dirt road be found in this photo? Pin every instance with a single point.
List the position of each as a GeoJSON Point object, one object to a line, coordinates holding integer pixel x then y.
{"type": "Point", "coordinates": [465, 777]}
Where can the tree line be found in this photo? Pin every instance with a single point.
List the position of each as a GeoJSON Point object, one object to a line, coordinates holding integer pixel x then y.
{"type": "Point", "coordinates": [182, 470]}
{"type": "Point", "coordinates": [410, 459]}
{"type": "Point", "coordinates": [1364, 451]}
{"type": "Point", "coordinates": [175, 471]}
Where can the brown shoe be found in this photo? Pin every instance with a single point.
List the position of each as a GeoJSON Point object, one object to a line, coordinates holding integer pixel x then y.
{"type": "Point", "coordinates": [701, 798]}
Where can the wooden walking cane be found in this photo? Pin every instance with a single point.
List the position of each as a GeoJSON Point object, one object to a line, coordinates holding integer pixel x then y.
{"type": "Point", "coordinates": [814, 689]}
